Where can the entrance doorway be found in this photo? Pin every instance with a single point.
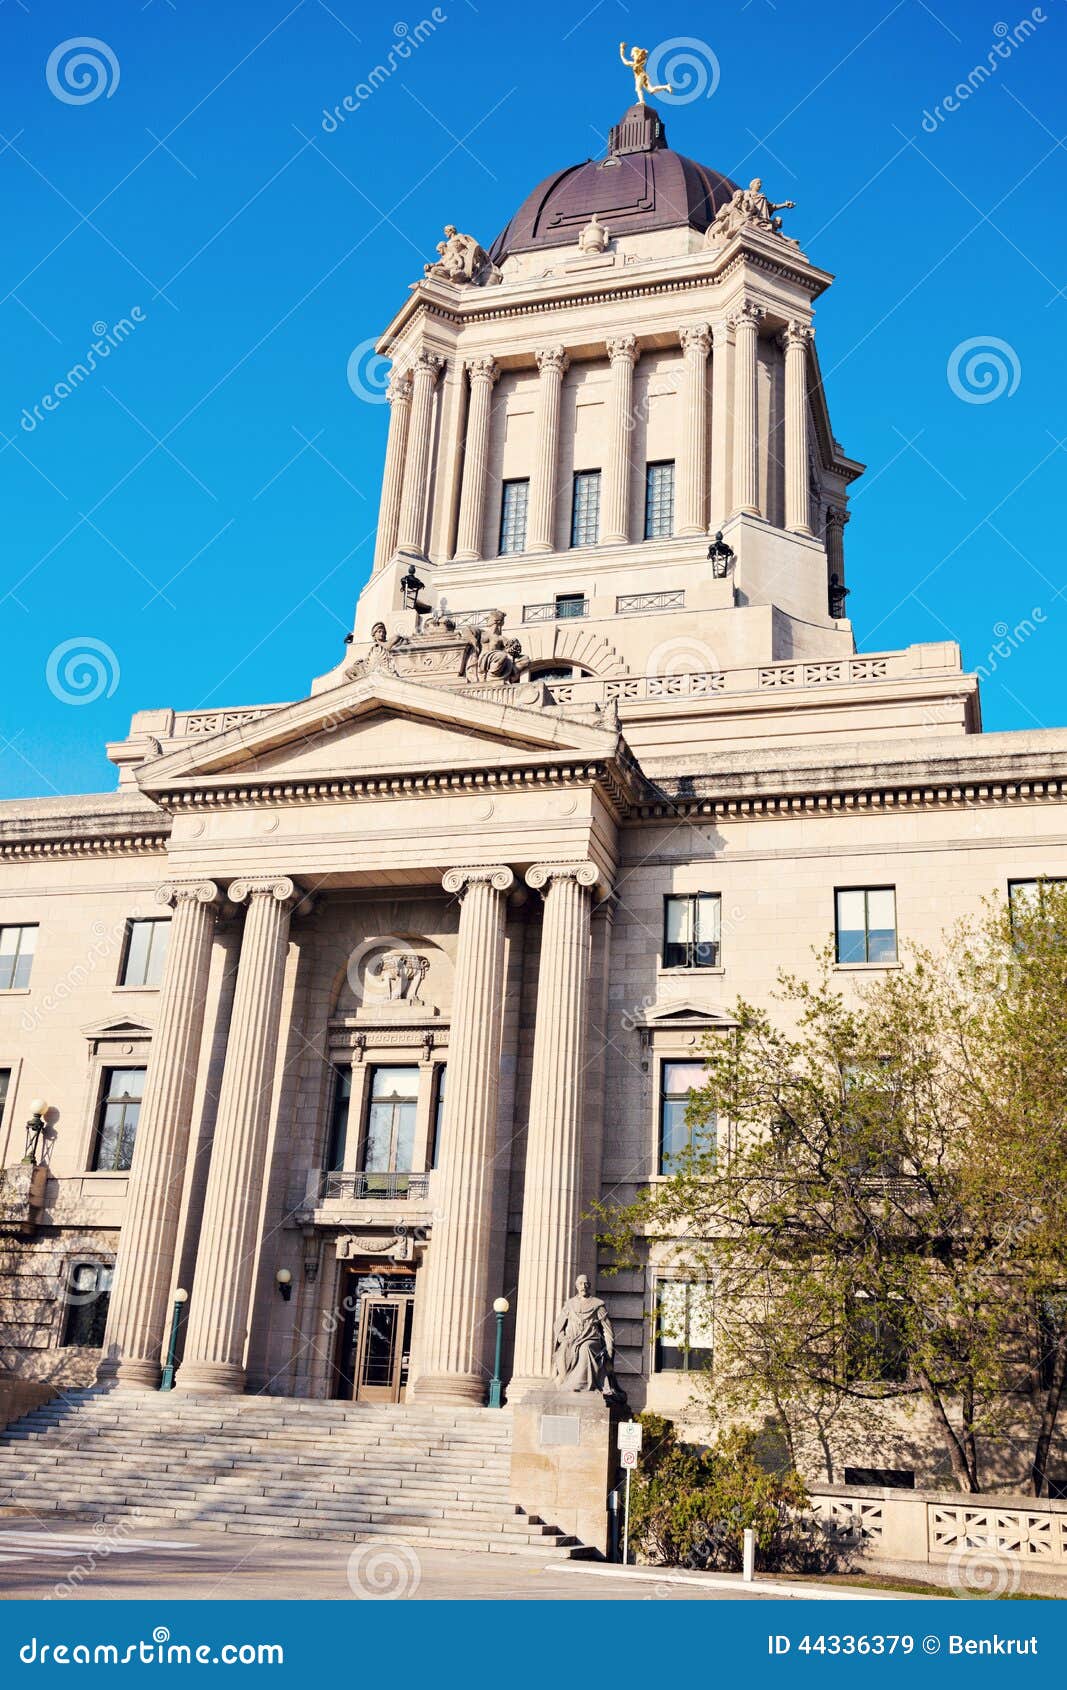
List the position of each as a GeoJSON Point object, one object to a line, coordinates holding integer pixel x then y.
{"type": "Point", "coordinates": [374, 1344]}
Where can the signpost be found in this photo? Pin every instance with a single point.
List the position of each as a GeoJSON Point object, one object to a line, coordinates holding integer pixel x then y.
{"type": "Point", "coordinates": [630, 1433]}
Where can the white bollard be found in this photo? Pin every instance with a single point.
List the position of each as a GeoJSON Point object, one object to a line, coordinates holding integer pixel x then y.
{"type": "Point", "coordinates": [748, 1564]}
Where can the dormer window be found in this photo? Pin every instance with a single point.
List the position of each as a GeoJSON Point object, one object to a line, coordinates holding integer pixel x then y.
{"type": "Point", "coordinates": [585, 508]}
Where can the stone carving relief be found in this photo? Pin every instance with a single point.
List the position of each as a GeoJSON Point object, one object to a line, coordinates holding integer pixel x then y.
{"type": "Point", "coordinates": [460, 258]}
{"type": "Point", "coordinates": [403, 972]}
{"type": "Point", "coordinates": [397, 1247]}
{"type": "Point", "coordinates": [442, 650]}
{"type": "Point", "coordinates": [594, 237]}
{"type": "Point", "coordinates": [748, 208]}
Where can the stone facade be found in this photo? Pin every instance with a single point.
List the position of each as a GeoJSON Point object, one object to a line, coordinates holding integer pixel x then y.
{"type": "Point", "coordinates": [451, 855]}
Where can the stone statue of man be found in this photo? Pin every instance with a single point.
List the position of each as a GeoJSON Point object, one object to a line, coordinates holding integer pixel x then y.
{"type": "Point", "coordinates": [584, 1344]}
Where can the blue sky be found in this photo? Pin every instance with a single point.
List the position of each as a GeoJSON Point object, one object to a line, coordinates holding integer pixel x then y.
{"type": "Point", "coordinates": [202, 505]}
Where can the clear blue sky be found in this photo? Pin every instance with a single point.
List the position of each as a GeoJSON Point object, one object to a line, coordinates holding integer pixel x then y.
{"type": "Point", "coordinates": [203, 504]}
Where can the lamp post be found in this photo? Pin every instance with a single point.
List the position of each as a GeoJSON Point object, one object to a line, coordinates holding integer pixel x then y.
{"type": "Point", "coordinates": [181, 1297]}
{"type": "Point", "coordinates": [35, 1127]}
{"type": "Point", "coordinates": [500, 1309]}
{"type": "Point", "coordinates": [283, 1279]}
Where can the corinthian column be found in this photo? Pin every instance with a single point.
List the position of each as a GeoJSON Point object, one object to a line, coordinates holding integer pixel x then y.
{"type": "Point", "coordinates": [623, 355]}
{"type": "Point", "coordinates": [229, 1233]}
{"type": "Point", "coordinates": [693, 468]}
{"type": "Point", "coordinates": [796, 341]}
{"type": "Point", "coordinates": [456, 1273]}
{"type": "Point", "coordinates": [720, 424]}
{"type": "Point", "coordinates": [483, 373]}
{"type": "Point", "coordinates": [553, 363]}
{"type": "Point", "coordinates": [137, 1315]}
{"type": "Point", "coordinates": [552, 1191]}
{"type": "Point", "coordinates": [399, 396]}
{"type": "Point", "coordinates": [427, 368]}
{"type": "Point", "coordinates": [746, 447]}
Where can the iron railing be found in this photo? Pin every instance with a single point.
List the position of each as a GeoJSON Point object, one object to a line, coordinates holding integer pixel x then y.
{"type": "Point", "coordinates": [633, 604]}
{"type": "Point", "coordinates": [555, 612]}
{"type": "Point", "coordinates": [354, 1188]}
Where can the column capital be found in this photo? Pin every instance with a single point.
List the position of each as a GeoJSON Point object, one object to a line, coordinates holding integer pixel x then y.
{"type": "Point", "coordinates": [552, 360]}
{"type": "Point", "coordinates": [721, 330]}
{"type": "Point", "coordinates": [280, 887]}
{"type": "Point", "coordinates": [430, 364]}
{"type": "Point", "coordinates": [696, 337]}
{"type": "Point", "coordinates": [460, 880]}
{"type": "Point", "coordinates": [746, 315]}
{"type": "Point", "coordinates": [483, 369]}
{"type": "Point", "coordinates": [796, 334]}
{"type": "Point", "coordinates": [541, 875]}
{"type": "Point", "coordinates": [398, 391]}
{"type": "Point", "coordinates": [187, 891]}
{"type": "Point", "coordinates": [622, 348]}
{"type": "Point", "coordinates": [837, 516]}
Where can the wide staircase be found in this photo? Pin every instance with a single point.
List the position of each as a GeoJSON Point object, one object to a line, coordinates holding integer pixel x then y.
{"type": "Point", "coordinates": [274, 1465]}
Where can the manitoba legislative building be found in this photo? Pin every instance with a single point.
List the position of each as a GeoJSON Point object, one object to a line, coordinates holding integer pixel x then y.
{"type": "Point", "coordinates": [322, 1032]}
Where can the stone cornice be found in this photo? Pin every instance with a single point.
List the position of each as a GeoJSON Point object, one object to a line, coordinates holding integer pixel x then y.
{"type": "Point", "coordinates": [50, 847]}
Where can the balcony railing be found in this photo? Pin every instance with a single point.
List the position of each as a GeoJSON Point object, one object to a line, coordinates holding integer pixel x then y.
{"type": "Point", "coordinates": [355, 1188]}
{"type": "Point", "coordinates": [560, 610]}
{"type": "Point", "coordinates": [635, 604]}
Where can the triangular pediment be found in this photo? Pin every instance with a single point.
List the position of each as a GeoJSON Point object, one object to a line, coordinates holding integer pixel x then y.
{"type": "Point", "coordinates": [379, 725]}
{"type": "Point", "coordinates": [686, 1012]}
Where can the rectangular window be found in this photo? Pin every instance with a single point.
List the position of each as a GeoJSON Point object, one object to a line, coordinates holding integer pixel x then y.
{"type": "Point", "coordinates": [585, 508]}
{"type": "Point", "coordinates": [438, 1111]}
{"type": "Point", "coordinates": [5, 1087]}
{"type": "Point", "coordinates": [886, 1478]}
{"type": "Point", "coordinates": [146, 952]}
{"type": "Point", "coordinates": [867, 924]}
{"type": "Point", "coordinates": [678, 1080]}
{"type": "Point", "coordinates": [570, 604]}
{"type": "Point", "coordinates": [683, 1340]}
{"type": "Point", "coordinates": [337, 1139]}
{"type": "Point", "coordinates": [119, 1112]}
{"type": "Point", "coordinates": [692, 930]}
{"type": "Point", "coordinates": [87, 1294]}
{"type": "Point", "coordinates": [659, 500]}
{"type": "Point", "coordinates": [390, 1141]}
{"type": "Point", "coordinates": [877, 1342]}
{"type": "Point", "coordinates": [1027, 892]}
{"type": "Point", "coordinates": [1051, 1332]}
{"type": "Point", "coordinates": [874, 1145]}
{"type": "Point", "coordinates": [514, 502]}
{"type": "Point", "coordinates": [17, 945]}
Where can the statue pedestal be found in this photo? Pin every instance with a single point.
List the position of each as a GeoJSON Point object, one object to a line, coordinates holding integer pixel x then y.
{"type": "Point", "coordinates": [564, 1461]}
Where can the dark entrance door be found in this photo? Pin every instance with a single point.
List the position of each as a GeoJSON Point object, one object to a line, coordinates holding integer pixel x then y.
{"type": "Point", "coordinates": [374, 1343]}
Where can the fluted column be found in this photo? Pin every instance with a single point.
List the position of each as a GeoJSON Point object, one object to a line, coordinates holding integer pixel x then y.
{"type": "Point", "coordinates": [720, 424]}
{"type": "Point", "coordinates": [140, 1299]}
{"type": "Point", "coordinates": [399, 395]}
{"type": "Point", "coordinates": [426, 369]}
{"type": "Point", "coordinates": [552, 1191]}
{"type": "Point", "coordinates": [483, 373]}
{"type": "Point", "coordinates": [796, 341]}
{"type": "Point", "coordinates": [622, 352]}
{"type": "Point", "coordinates": [553, 363]}
{"type": "Point", "coordinates": [693, 467]}
{"type": "Point", "coordinates": [455, 1281]}
{"type": "Point", "coordinates": [746, 323]}
{"type": "Point", "coordinates": [226, 1256]}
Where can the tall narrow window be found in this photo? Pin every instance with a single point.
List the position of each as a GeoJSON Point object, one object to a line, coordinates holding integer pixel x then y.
{"type": "Point", "coordinates": [87, 1294]}
{"type": "Point", "coordinates": [441, 1074]}
{"type": "Point", "coordinates": [867, 924]}
{"type": "Point", "coordinates": [17, 945]}
{"type": "Point", "coordinates": [585, 508]}
{"type": "Point", "coordinates": [659, 500]}
{"type": "Point", "coordinates": [514, 501]}
{"type": "Point", "coordinates": [5, 1087]}
{"type": "Point", "coordinates": [678, 1081]}
{"type": "Point", "coordinates": [146, 952]}
{"type": "Point", "coordinates": [338, 1135]}
{"type": "Point", "coordinates": [692, 930]}
{"type": "Point", "coordinates": [683, 1340]}
{"type": "Point", "coordinates": [117, 1118]}
{"type": "Point", "coordinates": [390, 1141]}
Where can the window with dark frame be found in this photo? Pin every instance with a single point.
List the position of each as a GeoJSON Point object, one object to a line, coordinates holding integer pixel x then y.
{"type": "Point", "coordinates": [585, 508]}
{"type": "Point", "coordinates": [877, 1348]}
{"type": "Point", "coordinates": [677, 1082]}
{"type": "Point", "coordinates": [659, 500]}
{"type": "Point", "coordinates": [865, 924]}
{"type": "Point", "coordinates": [340, 1102]}
{"type": "Point", "coordinates": [684, 1339]}
{"type": "Point", "coordinates": [145, 952]}
{"type": "Point", "coordinates": [88, 1294]}
{"type": "Point", "coordinates": [1029, 891]}
{"type": "Point", "coordinates": [514, 504]}
{"type": "Point", "coordinates": [692, 930]}
{"type": "Point", "coordinates": [118, 1113]}
{"type": "Point", "coordinates": [5, 1087]}
{"type": "Point", "coordinates": [439, 1077]}
{"type": "Point", "coordinates": [17, 947]}
{"type": "Point", "coordinates": [389, 1140]}
{"type": "Point", "coordinates": [1051, 1323]}
{"type": "Point", "coordinates": [569, 604]}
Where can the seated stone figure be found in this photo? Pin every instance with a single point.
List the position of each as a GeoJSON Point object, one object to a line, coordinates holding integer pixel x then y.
{"type": "Point", "coordinates": [585, 1345]}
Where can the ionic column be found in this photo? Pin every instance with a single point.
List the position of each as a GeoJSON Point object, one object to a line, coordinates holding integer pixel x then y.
{"type": "Point", "coordinates": [483, 373]}
{"type": "Point", "coordinates": [746, 323]}
{"type": "Point", "coordinates": [693, 467]}
{"type": "Point", "coordinates": [720, 424]}
{"type": "Point", "coordinates": [796, 341]}
{"type": "Point", "coordinates": [140, 1299]}
{"type": "Point", "coordinates": [552, 1191]}
{"type": "Point", "coordinates": [553, 363]}
{"type": "Point", "coordinates": [226, 1256]}
{"type": "Point", "coordinates": [426, 369]}
{"type": "Point", "coordinates": [454, 1282]}
{"type": "Point", "coordinates": [399, 396]}
{"type": "Point", "coordinates": [623, 355]}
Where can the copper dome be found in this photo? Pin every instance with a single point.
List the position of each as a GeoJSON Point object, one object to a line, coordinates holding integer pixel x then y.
{"type": "Point", "coordinates": [641, 185]}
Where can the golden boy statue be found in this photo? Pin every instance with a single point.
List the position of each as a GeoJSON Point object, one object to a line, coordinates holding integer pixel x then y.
{"type": "Point", "coordinates": [637, 63]}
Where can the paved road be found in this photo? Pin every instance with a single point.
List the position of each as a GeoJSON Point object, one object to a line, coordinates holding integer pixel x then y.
{"type": "Point", "coordinates": [67, 1562]}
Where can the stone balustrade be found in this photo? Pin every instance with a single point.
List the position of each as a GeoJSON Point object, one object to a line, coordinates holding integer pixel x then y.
{"type": "Point", "coordinates": [976, 1537]}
